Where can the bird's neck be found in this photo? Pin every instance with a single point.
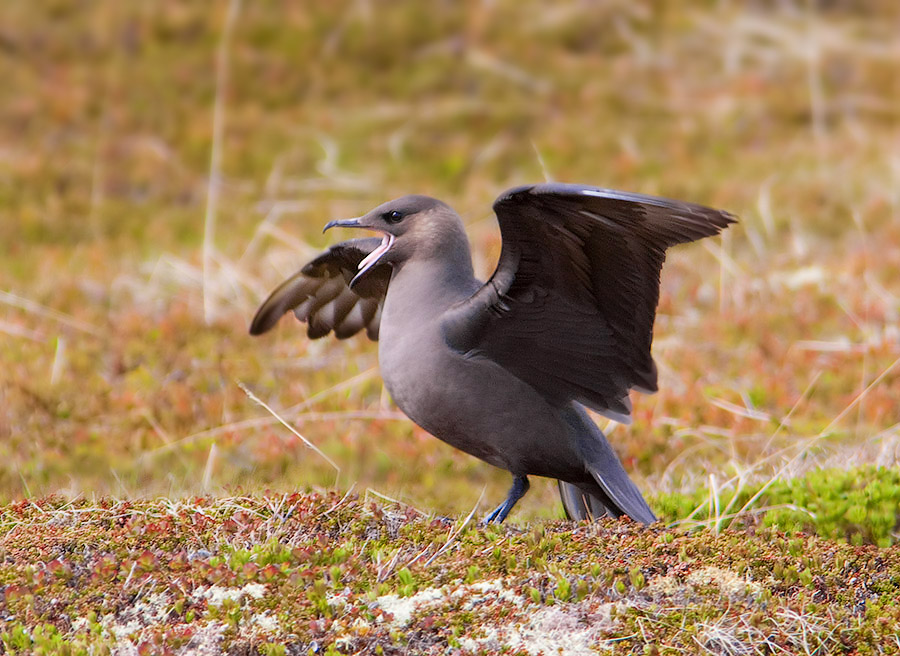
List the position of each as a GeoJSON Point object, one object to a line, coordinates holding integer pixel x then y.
{"type": "Point", "coordinates": [422, 287]}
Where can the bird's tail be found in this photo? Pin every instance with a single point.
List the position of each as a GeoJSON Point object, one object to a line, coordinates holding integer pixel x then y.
{"type": "Point", "coordinates": [615, 494]}
{"type": "Point", "coordinates": [579, 505]}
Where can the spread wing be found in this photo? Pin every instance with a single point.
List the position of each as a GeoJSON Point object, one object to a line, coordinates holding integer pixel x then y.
{"type": "Point", "coordinates": [320, 294]}
{"type": "Point", "coordinates": [571, 305]}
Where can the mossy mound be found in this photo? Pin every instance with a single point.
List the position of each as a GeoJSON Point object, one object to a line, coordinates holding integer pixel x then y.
{"type": "Point", "coordinates": [859, 505]}
{"type": "Point", "coordinates": [310, 573]}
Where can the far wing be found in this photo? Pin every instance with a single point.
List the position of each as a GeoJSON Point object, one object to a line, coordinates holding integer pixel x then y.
{"type": "Point", "coordinates": [320, 294]}
{"type": "Point", "coordinates": [571, 305]}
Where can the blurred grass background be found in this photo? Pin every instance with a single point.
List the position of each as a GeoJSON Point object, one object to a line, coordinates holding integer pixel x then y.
{"type": "Point", "coordinates": [163, 165]}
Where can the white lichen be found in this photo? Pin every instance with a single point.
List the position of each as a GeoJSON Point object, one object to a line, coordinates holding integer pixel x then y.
{"type": "Point", "coordinates": [217, 595]}
{"type": "Point", "coordinates": [567, 631]}
{"type": "Point", "coordinates": [402, 608]}
{"type": "Point", "coordinates": [266, 622]}
{"type": "Point", "coordinates": [492, 591]}
{"type": "Point", "coordinates": [149, 611]}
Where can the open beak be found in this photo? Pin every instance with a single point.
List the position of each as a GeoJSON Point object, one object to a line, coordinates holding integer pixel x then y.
{"type": "Point", "coordinates": [372, 258]}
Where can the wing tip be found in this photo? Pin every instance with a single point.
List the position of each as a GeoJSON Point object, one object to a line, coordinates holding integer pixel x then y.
{"type": "Point", "coordinates": [728, 218]}
{"type": "Point", "coordinates": [720, 219]}
{"type": "Point", "coordinates": [264, 320]}
{"type": "Point", "coordinates": [317, 332]}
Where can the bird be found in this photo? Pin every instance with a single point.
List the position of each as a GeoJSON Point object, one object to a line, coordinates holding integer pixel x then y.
{"type": "Point", "coordinates": [506, 369]}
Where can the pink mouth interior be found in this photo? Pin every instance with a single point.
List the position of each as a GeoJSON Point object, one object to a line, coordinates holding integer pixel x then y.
{"type": "Point", "coordinates": [372, 257]}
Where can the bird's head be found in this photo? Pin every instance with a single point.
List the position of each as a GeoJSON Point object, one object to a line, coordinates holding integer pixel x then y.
{"type": "Point", "coordinates": [411, 227]}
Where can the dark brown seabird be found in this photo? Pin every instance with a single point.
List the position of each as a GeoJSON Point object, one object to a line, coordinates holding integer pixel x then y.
{"type": "Point", "coordinates": [503, 370]}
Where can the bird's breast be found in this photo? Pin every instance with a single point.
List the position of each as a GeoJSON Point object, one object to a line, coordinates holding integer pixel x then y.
{"type": "Point", "coordinates": [473, 404]}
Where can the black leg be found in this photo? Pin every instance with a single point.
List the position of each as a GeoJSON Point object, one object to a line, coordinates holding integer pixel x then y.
{"type": "Point", "coordinates": [517, 491]}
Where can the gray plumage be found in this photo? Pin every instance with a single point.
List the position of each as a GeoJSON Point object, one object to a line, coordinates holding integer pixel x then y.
{"type": "Point", "coordinates": [503, 370]}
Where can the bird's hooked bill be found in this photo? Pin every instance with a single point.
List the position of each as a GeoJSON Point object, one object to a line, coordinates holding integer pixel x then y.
{"type": "Point", "coordinates": [372, 258]}
{"type": "Point", "coordinates": [342, 223]}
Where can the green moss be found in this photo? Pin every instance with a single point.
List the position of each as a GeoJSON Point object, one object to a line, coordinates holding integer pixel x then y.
{"type": "Point", "coordinates": [859, 505]}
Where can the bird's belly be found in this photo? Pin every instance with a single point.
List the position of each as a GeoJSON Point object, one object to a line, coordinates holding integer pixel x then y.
{"type": "Point", "coordinates": [478, 407]}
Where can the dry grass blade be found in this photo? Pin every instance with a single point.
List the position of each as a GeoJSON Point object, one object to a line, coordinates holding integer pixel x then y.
{"type": "Point", "coordinates": [43, 311]}
{"type": "Point", "coordinates": [787, 418]}
{"type": "Point", "coordinates": [859, 397]}
{"type": "Point", "coordinates": [260, 422]}
{"type": "Point", "coordinates": [548, 177]}
{"type": "Point", "coordinates": [341, 502]}
{"type": "Point", "coordinates": [14, 330]}
{"type": "Point", "coordinates": [349, 383]}
{"type": "Point", "coordinates": [810, 442]}
{"type": "Point", "coordinates": [293, 430]}
{"type": "Point", "coordinates": [215, 157]}
{"type": "Point", "coordinates": [276, 210]}
{"type": "Point", "coordinates": [389, 499]}
{"type": "Point", "coordinates": [208, 469]}
{"type": "Point", "coordinates": [740, 411]}
{"type": "Point", "coordinates": [294, 413]}
{"type": "Point", "coordinates": [453, 534]}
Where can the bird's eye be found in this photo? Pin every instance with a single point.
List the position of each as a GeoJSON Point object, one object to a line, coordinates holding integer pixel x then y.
{"type": "Point", "coordinates": [392, 217]}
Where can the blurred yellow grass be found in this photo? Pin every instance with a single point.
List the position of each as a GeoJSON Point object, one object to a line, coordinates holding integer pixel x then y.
{"type": "Point", "coordinates": [113, 381]}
